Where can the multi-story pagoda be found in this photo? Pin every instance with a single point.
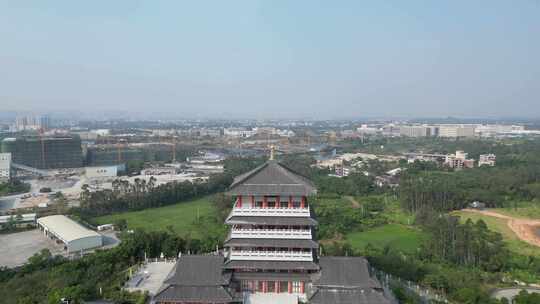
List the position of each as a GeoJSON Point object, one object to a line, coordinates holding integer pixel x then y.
{"type": "Point", "coordinates": [271, 246]}
{"type": "Point", "coordinates": [271, 254]}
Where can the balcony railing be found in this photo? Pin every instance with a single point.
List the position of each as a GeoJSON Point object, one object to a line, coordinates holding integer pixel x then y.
{"type": "Point", "coordinates": [270, 255]}
{"type": "Point", "coordinates": [304, 234]}
{"type": "Point", "coordinates": [257, 211]}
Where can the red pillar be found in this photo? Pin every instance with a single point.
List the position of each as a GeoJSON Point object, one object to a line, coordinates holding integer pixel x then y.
{"type": "Point", "coordinates": [290, 201]}
{"type": "Point", "coordinates": [252, 201]}
{"type": "Point", "coordinates": [278, 285]}
{"type": "Point", "coordinates": [303, 202]}
{"type": "Point", "coordinates": [239, 201]}
{"type": "Point", "coordinates": [278, 202]}
{"type": "Point", "coordinates": [302, 287]}
{"type": "Point", "coordinates": [290, 287]}
{"type": "Point", "coordinates": [264, 202]}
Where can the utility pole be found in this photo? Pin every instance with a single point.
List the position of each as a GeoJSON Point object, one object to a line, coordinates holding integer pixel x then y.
{"type": "Point", "coordinates": [42, 148]}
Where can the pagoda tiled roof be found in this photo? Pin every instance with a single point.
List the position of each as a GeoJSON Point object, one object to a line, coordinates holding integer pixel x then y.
{"type": "Point", "coordinates": [272, 178]}
{"type": "Point", "coordinates": [197, 278]}
{"type": "Point", "coordinates": [271, 265]}
{"type": "Point", "coordinates": [272, 220]}
{"type": "Point", "coordinates": [206, 294]}
{"type": "Point", "coordinates": [345, 272]}
{"type": "Point", "coordinates": [199, 270]}
{"type": "Point", "coordinates": [346, 280]}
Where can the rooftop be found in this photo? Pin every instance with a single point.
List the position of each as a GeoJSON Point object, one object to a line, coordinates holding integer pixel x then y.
{"type": "Point", "coordinates": [199, 270]}
{"type": "Point", "coordinates": [66, 228]}
{"type": "Point", "coordinates": [174, 293]}
{"type": "Point", "coordinates": [197, 278]}
{"type": "Point", "coordinates": [271, 265]}
{"type": "Point", "coordinates": [272, 178]}
{"type": "Point", "coordinates": [348, 296]}
{"type": "Point", "coordinates": [346, 272]}
{"type": "Point", "coordinates": [346, 280]}
{"type": "Point", "coordinates": [272, 220]}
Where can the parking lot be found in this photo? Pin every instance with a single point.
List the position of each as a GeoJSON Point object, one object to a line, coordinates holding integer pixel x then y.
{"type": "Point", "coordinates": [16, 248]}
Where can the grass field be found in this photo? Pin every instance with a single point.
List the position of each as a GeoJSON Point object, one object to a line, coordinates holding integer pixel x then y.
{"type": "Point", "coordinates": [395, 236]}
{"type": "Point", "coordinates": [529, 210]}
{"type": "Point", "coordinates": [500, 226]}
{"type": "Point", "coordinates": [182, 217]}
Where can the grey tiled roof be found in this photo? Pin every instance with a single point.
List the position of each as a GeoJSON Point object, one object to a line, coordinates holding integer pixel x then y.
{"type": "Point", "coordinates": [345, 272]}
{"type": "Point", "coordinates": [205, 294]}
{"type": "Point", "coordinates": [199, 270]}
{"type": "Point", "coordinates": [348, 296]}
{"type": "Point", "coordinates": [346, 280]}
{"type": "Point", "coordinates": [272, 220]}
{"type": "Point", "coordinates": [197, 278]}
{"type": "Point", "coordinates": [272, 178]}
{"type": "Point", "coordinates": [278, 243]}
{"type": "Point", "coordinates": [271, 265]}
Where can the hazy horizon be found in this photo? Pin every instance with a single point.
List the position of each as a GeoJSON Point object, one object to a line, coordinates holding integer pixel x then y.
{"type": "Point", "coordinates": [272, 59]}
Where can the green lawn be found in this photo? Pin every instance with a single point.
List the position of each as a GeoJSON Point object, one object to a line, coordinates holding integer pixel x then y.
{"type": "Point", "coordinates": [395, 236]}
{"type": "Point", "coordinates": [182, 217]}
{"type": "Point", "coordinates": [524, 210]}
{"type": "Point", "coordinates": [500, 226]}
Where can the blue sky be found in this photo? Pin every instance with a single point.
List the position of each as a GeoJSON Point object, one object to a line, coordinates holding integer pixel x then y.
{"type": "Point", "coordinates": [321, 59]}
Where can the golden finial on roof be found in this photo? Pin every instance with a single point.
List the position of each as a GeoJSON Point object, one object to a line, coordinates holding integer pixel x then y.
{"type": "Point", "coordinates": [272, 152]}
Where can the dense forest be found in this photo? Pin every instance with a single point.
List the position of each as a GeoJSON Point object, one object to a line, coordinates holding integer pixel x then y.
{"type": "Point", "coordinates": [445, 191]}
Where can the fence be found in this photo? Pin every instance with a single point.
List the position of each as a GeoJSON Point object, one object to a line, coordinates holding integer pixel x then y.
{"type": "Point", "coordinates": [426, 295]}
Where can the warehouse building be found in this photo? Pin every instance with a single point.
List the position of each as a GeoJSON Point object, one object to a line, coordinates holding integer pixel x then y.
{"type": "Point", "coordinates": [74, 236]}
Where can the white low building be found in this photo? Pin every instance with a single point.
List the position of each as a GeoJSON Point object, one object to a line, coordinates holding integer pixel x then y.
{"type": "Point", "coordinates": [74, 236]}
{"type": "Point", "coordinates": [28, 218]}
{"type": "Point", "coordinates": [101, 172]}
{"type": "Point", "coordinates": [487, 160]}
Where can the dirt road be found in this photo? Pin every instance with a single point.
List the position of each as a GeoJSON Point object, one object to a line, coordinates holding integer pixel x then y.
{"type": "Point", "coordinates": [525, 229]}
{"type": "Point", "coordinates": [354, 202]}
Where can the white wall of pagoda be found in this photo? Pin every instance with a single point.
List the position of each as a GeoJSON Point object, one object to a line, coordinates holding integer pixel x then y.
{"type": "Point", "coordinates": [274, 255]}
{"type": "Point", "coordinates": [250, 233]}
{"type": "Point", "coordinates": [271, 206]}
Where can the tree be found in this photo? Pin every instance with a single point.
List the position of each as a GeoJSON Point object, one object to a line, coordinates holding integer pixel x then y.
{"type": "Point", "coordinates": [120, 224]}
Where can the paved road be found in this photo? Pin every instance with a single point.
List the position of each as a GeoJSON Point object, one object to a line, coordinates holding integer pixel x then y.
{"type": "Point", "coordinates": [510, 293]}
{"type": "Point", "coordinates": [150, 277]}
{"type": "Point", "coordinates": [16, 248]}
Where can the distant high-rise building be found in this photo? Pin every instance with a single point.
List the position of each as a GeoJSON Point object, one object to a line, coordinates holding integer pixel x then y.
{"type": "Point", "coordinates": [391, 130]}
{"type": "Point", "coordinates": [495, 130]}
{"type": "Point", "coordinates": [456, 131]}
{"type": "Point", "coordinates": [46, 152]}
{"type": "Point", "coordinates": [414, 131]}
{"type": "Point", "coordinates": [5, 167]}
{"type": "Point", "coordinates": [32, 122]}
